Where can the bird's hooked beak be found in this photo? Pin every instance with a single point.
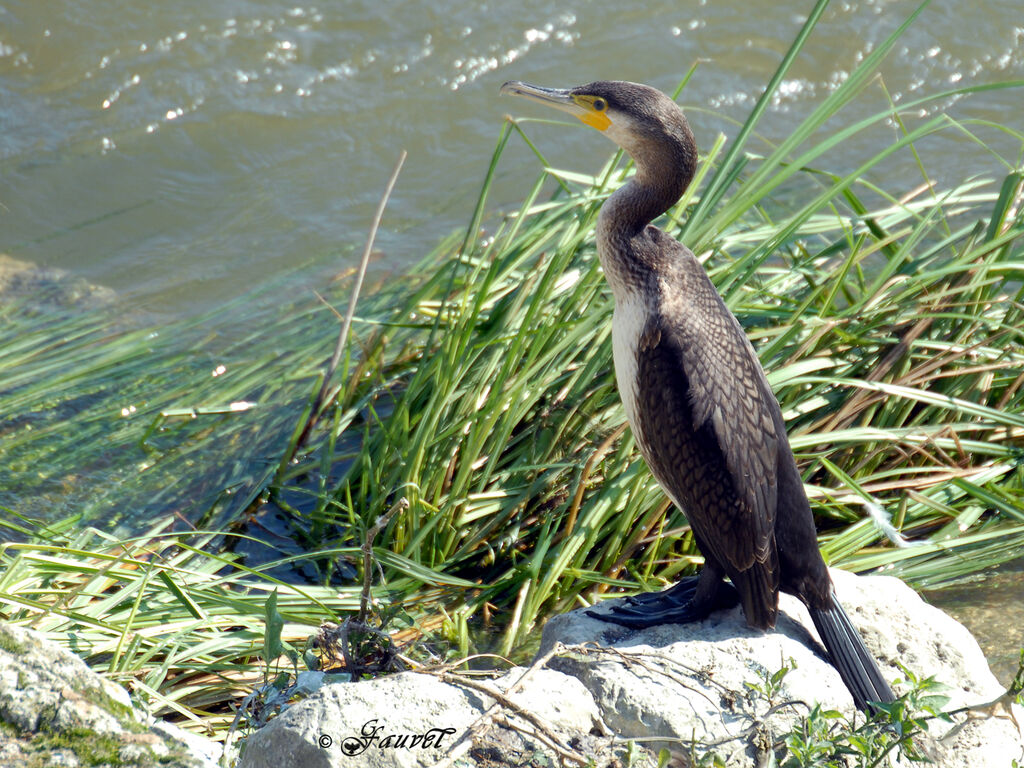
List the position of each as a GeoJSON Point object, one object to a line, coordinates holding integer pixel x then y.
{"type": "Point", "coordinates": [583, 107]}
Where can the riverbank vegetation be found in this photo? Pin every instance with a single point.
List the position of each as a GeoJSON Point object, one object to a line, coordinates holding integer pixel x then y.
{"type": "Point", "coordinates": [889, 317]}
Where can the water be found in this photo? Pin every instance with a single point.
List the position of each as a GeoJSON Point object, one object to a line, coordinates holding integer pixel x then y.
{"type": "Point", "coordinates": [993, 610]}
{"type": "Point", "coordinates": [183, 152]}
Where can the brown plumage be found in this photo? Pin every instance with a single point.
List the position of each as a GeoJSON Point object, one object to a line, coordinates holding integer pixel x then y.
{"type": "Point", "coordinates": [696, 397]}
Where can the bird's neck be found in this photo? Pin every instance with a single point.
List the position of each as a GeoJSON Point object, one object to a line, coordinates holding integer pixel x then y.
{"type": "Point", "coordinates": [637, 203]}
{"type": "Point", "coordinates": [662, 175]}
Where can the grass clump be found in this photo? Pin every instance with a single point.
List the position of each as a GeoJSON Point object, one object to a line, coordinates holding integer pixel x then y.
{"type": "Point", "coordinates": [161, 612]}
{"type": "Point", "coordinates": [889, 322]}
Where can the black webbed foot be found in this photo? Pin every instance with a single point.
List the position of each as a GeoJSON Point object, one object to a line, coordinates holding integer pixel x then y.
{"type": "Point", "coordinates": [680, 604]}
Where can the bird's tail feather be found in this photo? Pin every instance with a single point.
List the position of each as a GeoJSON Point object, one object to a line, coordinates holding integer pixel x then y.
{"type": "Point", "coordinates": [848, 654]}
{"type": "Point", "coordinates": [759, 595]}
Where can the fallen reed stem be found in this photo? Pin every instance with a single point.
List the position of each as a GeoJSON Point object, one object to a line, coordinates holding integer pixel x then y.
{"type": "Point", "coordinates": [339, 347]}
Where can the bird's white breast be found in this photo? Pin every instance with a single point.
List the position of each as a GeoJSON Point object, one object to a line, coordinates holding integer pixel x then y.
{"type": "Point", "coordinates": [628, 322]}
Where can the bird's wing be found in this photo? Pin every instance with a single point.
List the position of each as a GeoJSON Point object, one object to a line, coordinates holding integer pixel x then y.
{"type": "Point", "coordinates": [729, 408]}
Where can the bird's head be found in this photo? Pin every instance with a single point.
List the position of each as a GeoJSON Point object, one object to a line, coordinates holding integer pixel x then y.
{"type": "Point", "coordinates": [632, 115]}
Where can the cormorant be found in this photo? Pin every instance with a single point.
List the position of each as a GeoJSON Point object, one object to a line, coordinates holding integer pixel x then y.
{"type": "Point", "coordinates": [697, 400]}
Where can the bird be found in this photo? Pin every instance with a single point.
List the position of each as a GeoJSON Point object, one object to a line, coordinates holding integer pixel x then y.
{"type": "Point", "coordinates": [696, 398]}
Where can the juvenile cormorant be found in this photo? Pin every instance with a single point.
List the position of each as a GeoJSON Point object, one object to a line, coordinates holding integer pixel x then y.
{"type": "Point", "coordinates": [697, 399]}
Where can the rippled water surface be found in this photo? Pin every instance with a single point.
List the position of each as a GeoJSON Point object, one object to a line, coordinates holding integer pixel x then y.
{"type": "Point", "coordinates": [993, 610]}
{"type": "Point", "coordinates": [182, 151]}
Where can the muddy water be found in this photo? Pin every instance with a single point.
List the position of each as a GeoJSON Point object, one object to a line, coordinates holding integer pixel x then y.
{"type": "Point", "coordinates": [181, 151]}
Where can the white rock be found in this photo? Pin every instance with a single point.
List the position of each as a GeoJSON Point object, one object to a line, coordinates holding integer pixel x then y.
{"type": "Point", "coordinates": [316, 731]}
{"type": "Point", "coordinates": [674, 682]}
{"type": "Point", "coordinates": [46, 688]}
{"type": "Point", "coordinates": [686, 681]}
{"type": "Point", "coordinates": [347, 724]}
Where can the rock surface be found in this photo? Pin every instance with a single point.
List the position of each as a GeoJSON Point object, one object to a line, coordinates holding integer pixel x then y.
{"type": "Point", "coordinates": [702, 669]}
{"type": "Point", "coordinates": [54, 710]}
{"type": "Point", "coordinates": [412, 719]}
{"type": "Point", "coordinates": [48, 286]}
{"type": "Point", "coordinates": [688, 685]}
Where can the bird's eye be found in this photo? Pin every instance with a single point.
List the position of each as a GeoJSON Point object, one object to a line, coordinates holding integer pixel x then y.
{"type": "Point", "coordinates": [600, 105]}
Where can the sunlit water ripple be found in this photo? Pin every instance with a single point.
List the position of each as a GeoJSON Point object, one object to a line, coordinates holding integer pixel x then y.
{"type": "Point", "coordinates": [182, 152]}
